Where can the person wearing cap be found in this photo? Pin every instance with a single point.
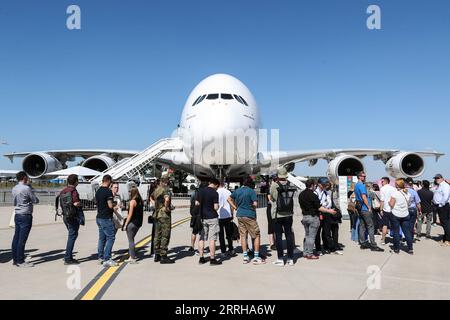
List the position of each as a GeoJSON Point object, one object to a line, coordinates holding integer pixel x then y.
{"type": "Point", "coordinates": [311, 209]}
{"type": "Point", "coordinates": [365, 215]}
{"type": "Point", "coordinates": [441, 199]}
{"type": "Point", "coordinates": [282, 215]}
{"type": "Point", "coordinates": [415, 207]}
{"type": "Point", "coordinates": [323, 192]}
{"type": "Point", "coordinates": [163, 218]}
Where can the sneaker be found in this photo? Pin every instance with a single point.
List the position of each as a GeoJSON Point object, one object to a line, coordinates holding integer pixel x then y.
{"type": "Point", "coordinates": [396, 251]}
{"type": "Point", "coordinates": [202, 260]}
{"type": "Point", "coordinates": [166, 260]}
{"type": "Point", "coordinates": [231, 253]}
{"type": "Point", "coordinates": [191, 249]}
{"type": "Point", "coordinates": [28, 258]}
{"type": "Point", "coordinates": [24, 265]}
{"type": "Point", "coordinates": [376, 249]}
{"type": "Point", "coordinates": [411, 252]}
{"type": "Point", "coordinates": [130, 260]}
{"type": "Point", "coordinates": [110, 263]}
{"type": "Point", "coordinates": [279, 263]}
{"type": "Point", "coordinates": [214, 262]}
{"type": "Point", "coordinates": [257, 261]}
{"type": "Point", "coordinates": [338, 253]}
{"type": "Point", "coordinates": [290, 262]}
{"type": "Point", "coordinates": [365, 246]}
{"type": "Point", "coordinates": [273, 247]}
{"type": "Point", "coordinates": [71, 261]}
{"type": "Point", "coordinates": [246, 260]}
{"type": "Point", "coordinates": [312, 257]}
{"type": "Point", "coordinates": [157, 258]}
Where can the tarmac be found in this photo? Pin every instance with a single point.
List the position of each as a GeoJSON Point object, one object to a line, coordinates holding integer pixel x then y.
{"type": "Point", "coordinates": [356, 275]}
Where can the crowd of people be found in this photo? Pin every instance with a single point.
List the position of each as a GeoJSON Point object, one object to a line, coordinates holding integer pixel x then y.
{"type": "Point", "coordinates": [402, 210]}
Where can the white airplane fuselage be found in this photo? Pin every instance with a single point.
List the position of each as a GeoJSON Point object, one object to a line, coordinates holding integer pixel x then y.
{"type": "Point", "coordinates": [219, 129]}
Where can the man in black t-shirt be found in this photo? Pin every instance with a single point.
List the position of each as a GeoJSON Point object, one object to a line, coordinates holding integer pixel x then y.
{"type": "Point", "coordinates": [105, 222]}
{"type": "Point", "coordinates": [208, 200]}
{"type": "Point", "coordinates": [426, 200]}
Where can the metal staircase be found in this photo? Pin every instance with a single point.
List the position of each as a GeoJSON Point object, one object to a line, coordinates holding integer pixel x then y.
{"type": "Point", "coordinates": [141, 161]}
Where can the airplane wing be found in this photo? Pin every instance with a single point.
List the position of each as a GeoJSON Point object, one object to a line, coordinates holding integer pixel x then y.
{"type": "Point", "coordinates": [8, 173]}
{"type": "Point", "coordinates": [68, 154]}
{"type": "Point", "coordinates": [313, 156]}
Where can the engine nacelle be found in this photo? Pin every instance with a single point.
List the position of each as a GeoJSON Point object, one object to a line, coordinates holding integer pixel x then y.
{"type": "Point", "coordinates": [37, 165]}
{"type": "Point", "coordinates": [405, 165]}
{"type": "Point", "coordinates": [99, 163]}
{"type": "Point", "coordinates": [344, 165]}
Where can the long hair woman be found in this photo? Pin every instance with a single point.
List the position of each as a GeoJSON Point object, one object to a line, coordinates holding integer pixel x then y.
{"type": "Point", "coordinates": [400, 215]}
{"type": "Point", "coordinates": [134, 221]}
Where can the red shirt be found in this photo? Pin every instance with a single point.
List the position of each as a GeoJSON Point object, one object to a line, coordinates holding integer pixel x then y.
{"type": "Point", "coordinates": [75, 195]}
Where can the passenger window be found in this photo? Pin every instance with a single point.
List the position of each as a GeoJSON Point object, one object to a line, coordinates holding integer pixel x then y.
{"type": "Point", "coordinates": [226, 96]}
{"type": "Point", "coordinates": [213, 96]}
{"type": "Point", "coordinates": [245, 102]}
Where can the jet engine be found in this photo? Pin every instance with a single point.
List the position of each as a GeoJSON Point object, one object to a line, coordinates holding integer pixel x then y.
{"type": "Point", "coordinates": [344, 165]}
{"type": "Point", "coordinates": [99, 163]}
{"type": "Point", "coordinates": [405, 165]}
{"type": "Point", "coordinates": [37, 165]}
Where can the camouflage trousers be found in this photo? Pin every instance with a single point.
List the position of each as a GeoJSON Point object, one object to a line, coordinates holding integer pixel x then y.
{"type": "Point", "coordinates": [162, 235]}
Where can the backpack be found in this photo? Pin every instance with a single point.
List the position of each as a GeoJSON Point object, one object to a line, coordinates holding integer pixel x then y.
{"type": "Point", "coordinates": [376, 204]}
{"type": "Point", "coordinates": [69, 211]}
{"type": "Point", "coordinates": [285, 199]}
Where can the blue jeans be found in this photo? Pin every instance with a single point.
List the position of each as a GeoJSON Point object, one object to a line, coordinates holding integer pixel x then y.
{"type": "Point", "coordinates": [106, 238]}
{"type": "Point", "coordinates": [72, 225]}
{"type": "Point", "coordinates": [405, 223]}
{"type": "Point", "coordinates": [22, 231]}
{"type": "Point", "coordinates": [412, 220]}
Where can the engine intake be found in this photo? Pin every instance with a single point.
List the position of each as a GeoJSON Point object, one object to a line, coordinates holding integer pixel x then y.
{"type": "Point", "coordinates": [344, 165]}
{"type": "Point", "coordinates": [405, 165]}
{"type": "Point", "coordinates": [36, 165]}
{"type": "Point", "coordinates": [99, 163]}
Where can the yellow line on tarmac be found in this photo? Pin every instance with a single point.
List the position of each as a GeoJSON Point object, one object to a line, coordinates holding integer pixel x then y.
{"type": "Point", "coordinates": [104, 279]}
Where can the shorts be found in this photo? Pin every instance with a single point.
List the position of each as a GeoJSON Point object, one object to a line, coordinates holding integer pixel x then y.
{"type": "Point", "coordinates": [386, 218]}
{"type": "Point", "coordinates": [210, 231]}
{"type": "Point", "coordinates": [250, 226]}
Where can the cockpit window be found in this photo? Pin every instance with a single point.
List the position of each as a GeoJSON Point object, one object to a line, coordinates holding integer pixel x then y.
{"type": "Point", "coordinates": [201, 99]}
{"type": "Point", "coordinates": [213, 96]}
{"type": "Point", "coordinates": [243, 100]}
{"type": "Point", "coordinates": [196, 101]}
{"type": "Point", "coordinates": [226, 96]}
{"type": "Point", "coordinates": [238, 99]}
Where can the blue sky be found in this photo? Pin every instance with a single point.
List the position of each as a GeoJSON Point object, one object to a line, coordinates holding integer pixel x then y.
{"type": "Point", "coordinates": [315, 69]}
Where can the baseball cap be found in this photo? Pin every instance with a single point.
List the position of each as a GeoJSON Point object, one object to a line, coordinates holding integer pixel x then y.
{"type": "Point", "coordinates": [409, 181]}
{"type": "Point", "coordinates": [323, 180]}
{"type": "Point", "coordinates": [438, 176]}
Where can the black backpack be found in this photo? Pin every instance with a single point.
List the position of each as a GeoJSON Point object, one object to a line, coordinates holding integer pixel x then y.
{"type": "Point", "coordinates": [285, 200]}
{"type": "Point", "coordinates": [65, 202]}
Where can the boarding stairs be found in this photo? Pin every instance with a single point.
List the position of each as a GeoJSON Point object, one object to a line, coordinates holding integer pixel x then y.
{"type": "Point", "coordinates": [137, 164]}
{"type": "Point", "coordinates": [297, 181]}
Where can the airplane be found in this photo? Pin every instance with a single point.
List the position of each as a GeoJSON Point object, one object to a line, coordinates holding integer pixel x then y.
{"type": "Point", "coordinates": [219, 111]}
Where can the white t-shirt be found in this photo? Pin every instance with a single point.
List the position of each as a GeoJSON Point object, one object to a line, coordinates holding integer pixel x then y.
{"type": "Point", "coordinates": [402, 200]}
{"type": "Point", "coordinates": [386, 195]}
{"type": "Point", "coordinates": [224, 207]}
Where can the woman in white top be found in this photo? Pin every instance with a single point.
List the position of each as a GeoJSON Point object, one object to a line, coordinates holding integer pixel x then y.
{"type": "Point", "coordinates": [400, 215]}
